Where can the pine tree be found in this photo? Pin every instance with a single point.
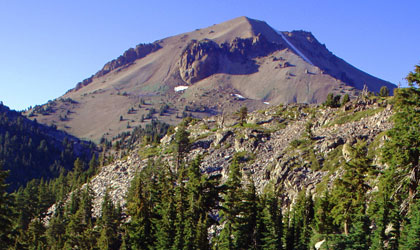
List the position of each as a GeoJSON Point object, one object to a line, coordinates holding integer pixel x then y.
{"type": "Point", "coordinates": [79, 231]}
{"type": "Point", "coordinates": [56, 229]}
{"type": "Point", "coordinates": [182, 145]}
{"type": "Point", "coordinates": [273, 222]}
{"type": "Point", "coordinates": [346, 99]}
{"type": "Point", "coordinates": [385, 214]}
{"type": "Point", "coordinates": [411, 232]}
{"type": "Point", "coordinates": [202, 196]}
{"type": "Point", "coordinates": [245, 228]}
{"type": "Point", "coordinates": [301, 224]}
{"type": "Point", "coordinates": [108, 224]}
{"type": "Point", "coordinates": [141, 201]}
{"type": "Point", "coordinates": [180, 205]}
{"type": "Point", "coordinates": [384, 91]}
{"type": "Point", "coordinates": [36, 239]}
{"type": "Point", "coordinates": [243, 114]}
{"type": "Point", "coordinates": [231, 206]}
{"type": "Point", "coordinates": [402, 149]}
{"type": "Point", "coordinates": [289, 230]}
{"type": "Point", "coordinates": [6, 211]}
{"type": "Point", "coordinates": [349, 190]}
{"type": "Point", "coordinates": [165, 210]}
{"type": "Point", "coordinates": [324, 222]}
{"type": "Point", "coordinates": [359, 232]}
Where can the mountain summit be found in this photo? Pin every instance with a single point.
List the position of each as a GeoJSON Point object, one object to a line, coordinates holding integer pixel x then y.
{"type": "Point", "coordinates": [241, 62]}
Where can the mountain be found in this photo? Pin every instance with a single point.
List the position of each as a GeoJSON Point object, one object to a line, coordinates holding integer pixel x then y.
{"type": "Point", "coordinates": [218, 69]}
{"type": "Point", "coordinates": [31, 150]}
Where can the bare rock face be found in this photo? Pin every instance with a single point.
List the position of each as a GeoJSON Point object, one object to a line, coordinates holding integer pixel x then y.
{"type": "Point", "coordinates": [246, 48]}
{"type": "Point", "coordinates": [127, 58]}
{"type": "Point", "coordinates": [199, 60]}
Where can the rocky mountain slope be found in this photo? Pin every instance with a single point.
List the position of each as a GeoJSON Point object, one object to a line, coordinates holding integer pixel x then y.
{"type": "Point", "coordinates": [241, 62]}
{"type": "Point", "coordinates": [296, 147]}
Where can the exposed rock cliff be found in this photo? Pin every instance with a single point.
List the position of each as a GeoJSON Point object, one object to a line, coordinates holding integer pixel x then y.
{"type": "Point", "coordinates": [128, 57]}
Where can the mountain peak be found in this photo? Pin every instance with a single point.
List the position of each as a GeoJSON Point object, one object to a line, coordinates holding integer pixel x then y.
{"type": "Point", "coordinates": [220, 68]}
{"type": "Point", "coordinates": [246, 27]}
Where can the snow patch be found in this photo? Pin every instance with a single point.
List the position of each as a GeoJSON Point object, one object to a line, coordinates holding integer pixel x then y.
{"type": "Point", "coordinates": [294, 48]}
{"type": "Point", "coordinates": [180, 88]}
{"type": "Point", "coordinates": [319, 244]}
{"type": "Point", "coordinates": [239, 96]}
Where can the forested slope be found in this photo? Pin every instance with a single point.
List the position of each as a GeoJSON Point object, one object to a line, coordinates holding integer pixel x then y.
{"type": "Point", "coordinates": [31, 150]}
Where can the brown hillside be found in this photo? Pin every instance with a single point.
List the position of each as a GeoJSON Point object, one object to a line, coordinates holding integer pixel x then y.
{"type": "Point", "coordinates": [225, 66]}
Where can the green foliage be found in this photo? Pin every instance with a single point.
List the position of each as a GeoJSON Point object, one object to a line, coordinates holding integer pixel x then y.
{"type": "Point", "coordinates": [384, 91]}
{"type": "Point", "coordinates": [272, 219]}
{"type": "Point", "coordinates": [354, 117]}
{"type": "Point", "coordinates": [402, 150]}
{"type": "Point", "coordinates": [6, 212]}
{"type": "Point", "coordinates": [332, 101]}
{"type": "Point", "coordinates": [182, 145]}
{"type": "Point", "coordinates": [350, 190]}
{"type": "Point", "coordinates": [33, 151]}
{"type": "Point", "coordinates": [411, 231]}
{"type": "Point", "coordinates": [109, 223]}
{"type": "Point", "coordinates": [299, 223]}
{"type": "Point", "coordinates": [150, 134]}
{"type": "Point", "coordinates": [297, 143]}
{"type": "Point", "coordinates": [242, 114]}
{"type": "Point", "coordinates": [346, 99]}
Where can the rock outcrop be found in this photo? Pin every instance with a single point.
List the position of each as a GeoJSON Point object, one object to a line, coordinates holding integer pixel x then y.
{"type": "Point", "coordinates": [199, 60]}
{"type": "Point", "coordinates": [128, 57]}
{"type": "Point", "coordinates": [275, 148]}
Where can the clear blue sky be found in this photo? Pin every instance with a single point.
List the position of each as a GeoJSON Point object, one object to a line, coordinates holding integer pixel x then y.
{"type": "Point", "coordinates": [47, 46]}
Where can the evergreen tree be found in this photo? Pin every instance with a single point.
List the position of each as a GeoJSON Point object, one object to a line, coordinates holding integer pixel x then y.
{"type": "Point", "coordinates": [384, 91]}
{"type": "Point", "coordinates": [402, 149]}
{"type": "Point", "coordinates": [182, 145]}
{"type": "Point", "coordinates": [231, 206]}
{"type": "Point", "coordinates": [180, 205]}
{"type": "Point", "coordinates": [6, 211]}
{"type": "Point", "coordinates": [411, 232]}
{"type": "Point", "coordinates": [385, 214]}
{"type": "Point", "coordinates": [346, 99]}
{"type": "Point", "coordinates": [332, 101]}
{"type": "Point", "coordinates": [273, 222]}
{"type": "Point", "coordinates": [350, 190]}
{"type": "Point", "coordinates": [302, 217]}
{"type": "Point", "coordinates": [56, 229]}
{"type": "Point", "coordinates": [79, 231]}
{"type": "Point", "coordinates": [245, 228]}
{"type": "Point", "coordinates": [324, 221]}
{"type": "Point", "coordinates": [36, 239]}
{"type": "Point", "coordinates": [108, 224]}
{"type": "Point", "coordinates": [141, 201]}
{"type": "Point", "coordinates": [289, 230]}
{"type": "Point", "coordinates": [243, 114]}
{"type": "Point", "coordinates": [165, 209]}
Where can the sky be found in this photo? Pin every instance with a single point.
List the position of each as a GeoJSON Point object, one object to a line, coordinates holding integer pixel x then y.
{"type": "Point", "coordinates": [48, 46]}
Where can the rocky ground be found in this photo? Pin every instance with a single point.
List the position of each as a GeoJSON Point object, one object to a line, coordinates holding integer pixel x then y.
{"type": "Point", "coordinates": [292, 147]}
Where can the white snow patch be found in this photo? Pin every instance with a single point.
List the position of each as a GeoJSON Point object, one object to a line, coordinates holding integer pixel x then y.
{"type": "Point", "coordinates": [267, 103]}
{"type": "Point", "coordinates": [294, 48]}
{"type": "Point", "coordinates": [180, 88]}
{"type": "Point", "coordinates": [319, 244]}
{"type": "Point", "coordinates": [239, 96]}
